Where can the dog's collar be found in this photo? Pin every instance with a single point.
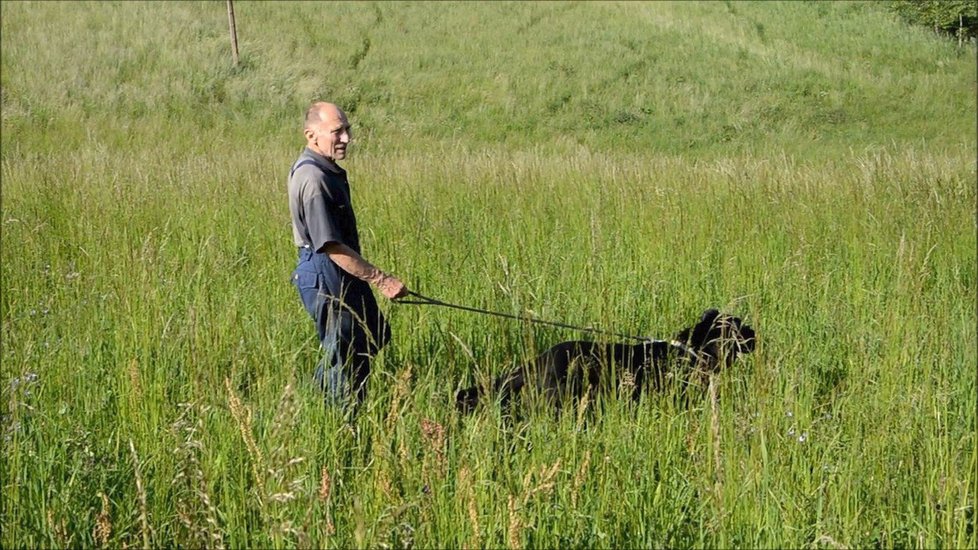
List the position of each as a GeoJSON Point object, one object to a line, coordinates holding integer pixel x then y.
{"type": "Point", "coordinates": [678, 345]}
{"type": "Point", "coordinates": [684, 348]}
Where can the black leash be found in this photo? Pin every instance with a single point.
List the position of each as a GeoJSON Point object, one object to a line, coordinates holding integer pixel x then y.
{"type": "Point", "coordinates": [426, 301]}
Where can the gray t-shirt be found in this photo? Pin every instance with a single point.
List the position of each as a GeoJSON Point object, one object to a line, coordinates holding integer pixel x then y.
{"type": "Point", "coordinates": [319, 201]}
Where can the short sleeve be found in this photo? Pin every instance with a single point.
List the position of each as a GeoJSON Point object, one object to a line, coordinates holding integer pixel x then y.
{"type": "Point", "coordinates": [319, 210]}
{"type": "Point", "coordinates": [320, 222]}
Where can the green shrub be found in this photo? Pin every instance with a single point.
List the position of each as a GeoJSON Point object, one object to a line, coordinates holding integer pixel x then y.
{"type": "Point", "coordinates": [957, 18]}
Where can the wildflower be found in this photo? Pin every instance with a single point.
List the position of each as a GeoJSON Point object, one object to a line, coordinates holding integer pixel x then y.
{"type": "Point", "coordinates": [803, 437]}
{"type": "Point", "coordinates": [791, 432]}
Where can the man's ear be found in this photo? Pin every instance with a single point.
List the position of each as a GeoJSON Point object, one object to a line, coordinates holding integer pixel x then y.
{"type": "Point", "coordinates": [309, 134]}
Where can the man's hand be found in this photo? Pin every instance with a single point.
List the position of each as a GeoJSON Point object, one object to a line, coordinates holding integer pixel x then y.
{"type": "Point", "coordinates": [391, 287]}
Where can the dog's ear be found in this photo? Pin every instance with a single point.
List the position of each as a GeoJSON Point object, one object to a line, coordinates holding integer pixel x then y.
{"type": "Point", "coordinates": [709, 315]}
{"type": "Point", "coordinates": [747, 337]}
{"type": "Point", "coordinates": [701, 332]}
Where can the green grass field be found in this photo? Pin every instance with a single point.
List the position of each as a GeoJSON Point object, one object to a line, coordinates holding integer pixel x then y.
{"type": "Point", "coordinates": [809, 166]}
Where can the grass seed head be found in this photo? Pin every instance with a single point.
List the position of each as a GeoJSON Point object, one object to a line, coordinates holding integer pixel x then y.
{"type": "Point", "coordinates": [515, 525]}
{"type": "Point", "coordinates": [324, 485]}
{"type": "Point", "coordinates": [103, 523]}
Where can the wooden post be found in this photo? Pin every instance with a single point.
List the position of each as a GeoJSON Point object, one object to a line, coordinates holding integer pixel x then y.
{"type": "Point", "coordinates": [234, 34]}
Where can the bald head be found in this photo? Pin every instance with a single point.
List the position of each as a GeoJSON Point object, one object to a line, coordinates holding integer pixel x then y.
{"type": "Point", "coordinates": [326, 129]}
{"type": "Point", "coordinates": [321, 111]}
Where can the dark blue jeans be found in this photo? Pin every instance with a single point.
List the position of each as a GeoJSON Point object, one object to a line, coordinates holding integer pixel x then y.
{"type": "Point", "coordinates": [350, 326]}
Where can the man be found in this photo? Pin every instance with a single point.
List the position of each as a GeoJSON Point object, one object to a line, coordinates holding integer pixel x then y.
{"type": "Point", "coordinates": [332, 277]}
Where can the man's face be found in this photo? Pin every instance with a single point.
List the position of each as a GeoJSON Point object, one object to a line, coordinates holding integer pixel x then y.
{"type": "Point", "coordinates": [331, 136]}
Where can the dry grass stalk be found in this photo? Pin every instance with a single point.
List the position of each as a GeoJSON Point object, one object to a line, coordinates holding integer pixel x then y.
{"type": "Point", "coordinates": [828, 541]}
{"type": "Point", "coordinates": [627, 384]}
{"type": "Point", "coordinates": [324, 485]}
{"type": "Point", "coordinates": [145, 529]}
{"type": "Point", "coordinates": [359, 525]}
{"type": "Point", "coordinates": [515, 525]}
{"type": "Point", "coordinates": [60, 530]}
{"type": "Point", "coordinates": [715, 429]}
{"type": "Point", "coordinates": [280, 463]}
{"type": "Point", "coordinates": [434, 435]}
{"type": "Point", "coordinates": [284, 483]}
{"type": "Point", "coordinates": [383, 483]}
{"type": "Point", "coordinates": [243, 417]}
{"type": "Point", "coordinates": [196, 512]}
{"type": "Point", "coordinates": [582, 409]}
{"type": "Point", "coordinates": [404, 455]}
{"type": "Point", "coordinates": [401, 389]}
{"type": "Point", "coordinates": [323, 496]}
{"type": "Point", "coordinates": [467, 490]}
{"type": "Point", "coordinates": [580, 477]}
{"type": "Point", "coordinates": [330, 528]}
{"type": "Point", "coordinates": [285, 414]}
{"type": "Point", "coordinates": [103, 524]}
{"type": "Point", "coordinates": [717, 469]}
{"type": "Point", "coordinates": [691, 435]}
{"type": "Point", "coordinates": [135, 387]}
{"type": "Point", "coordinates": [545, 481]}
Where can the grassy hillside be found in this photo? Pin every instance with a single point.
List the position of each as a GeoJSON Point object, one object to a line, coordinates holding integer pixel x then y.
{"type": "Point", "coordinates": [811, 78]}
{"type": "Point", "coordinates": [809, 166]}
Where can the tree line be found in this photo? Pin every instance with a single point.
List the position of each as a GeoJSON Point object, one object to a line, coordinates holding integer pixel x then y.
{"type": "Point", "coordinates": [955, 18]}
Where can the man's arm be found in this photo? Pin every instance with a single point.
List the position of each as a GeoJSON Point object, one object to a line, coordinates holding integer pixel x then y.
{"type": "Point", "coordinates": [355, 265]}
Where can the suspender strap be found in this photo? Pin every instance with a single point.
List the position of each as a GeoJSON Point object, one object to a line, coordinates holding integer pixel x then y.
{"type": "Point", "coordinates": [302, 163]}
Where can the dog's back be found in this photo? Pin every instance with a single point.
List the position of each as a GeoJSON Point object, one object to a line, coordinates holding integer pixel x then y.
{"type": "Point", "coordinates": [573, 368]}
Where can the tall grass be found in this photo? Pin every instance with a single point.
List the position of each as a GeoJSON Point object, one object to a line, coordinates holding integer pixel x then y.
{"type": "Point", "coordinates": [156, 360]}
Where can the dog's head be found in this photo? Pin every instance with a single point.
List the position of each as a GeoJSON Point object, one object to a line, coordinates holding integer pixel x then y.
{"type": "Point", "coordinates": [467, 399]}
{"type": "Point", "coordinates": [717, 339]}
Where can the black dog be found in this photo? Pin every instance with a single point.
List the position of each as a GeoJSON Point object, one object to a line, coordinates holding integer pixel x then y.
{"type": "Point", "coordinates": [571, 369]}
